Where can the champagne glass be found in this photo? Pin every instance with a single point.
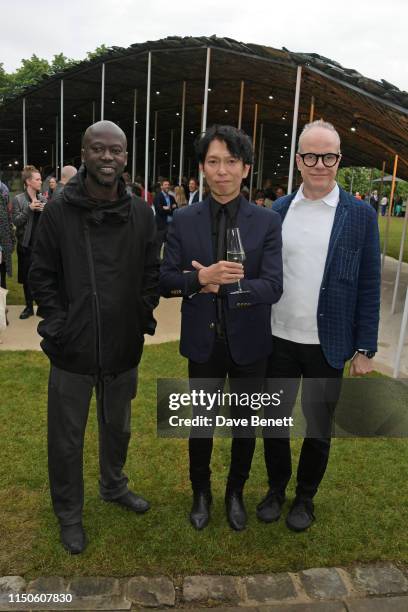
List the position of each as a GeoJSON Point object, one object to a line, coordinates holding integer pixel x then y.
{"type": "Point", "coordinates": [235, 252]}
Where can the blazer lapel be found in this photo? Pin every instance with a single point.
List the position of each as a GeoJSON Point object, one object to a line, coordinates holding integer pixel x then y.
{"type": "Point", "coordinates": [244, 218]}
{"type": "Point", "coordinates": [338, 224]}
{"type": "Point", "coordinates": [203, 228]}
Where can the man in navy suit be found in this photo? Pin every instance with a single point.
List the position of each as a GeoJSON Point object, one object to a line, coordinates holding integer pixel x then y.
{"type": "Point", "coordinates": [164, 206]}
{"type": "Point", "coordinates": [223, 333]}
{"type": "Point", "coordinates": [329, 313]}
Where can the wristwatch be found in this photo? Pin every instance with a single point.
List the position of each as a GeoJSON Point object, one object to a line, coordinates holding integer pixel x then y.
{"type": "Point", "coordinates": [368, 354]}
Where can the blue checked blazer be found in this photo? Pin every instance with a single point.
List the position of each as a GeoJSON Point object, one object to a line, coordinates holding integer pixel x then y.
{"type": "Point", "coordinates": [349, 302]}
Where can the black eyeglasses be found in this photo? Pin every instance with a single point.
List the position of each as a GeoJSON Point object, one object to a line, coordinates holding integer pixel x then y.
{"type": "Point", "coordinates": [329, 159]}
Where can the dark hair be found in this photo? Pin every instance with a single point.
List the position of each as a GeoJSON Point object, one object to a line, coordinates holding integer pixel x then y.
{"type": "Point", "coordinates": [164, 180]}
{"type": "Point", "coordinates": [136, 189]}
{"type": "Point", "coordinates": [238, 143]}
{"type": "Point", "coordinates": [259, 194]}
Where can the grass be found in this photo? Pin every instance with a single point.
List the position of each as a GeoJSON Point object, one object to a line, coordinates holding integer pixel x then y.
{"type": "Point", "coordinates": [16, 294]}
{"type": "Point", "coordinates": [361, 509]}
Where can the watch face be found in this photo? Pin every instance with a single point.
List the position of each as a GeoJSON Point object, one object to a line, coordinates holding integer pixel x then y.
{"type": "Point", "coordinates": [369, 354]}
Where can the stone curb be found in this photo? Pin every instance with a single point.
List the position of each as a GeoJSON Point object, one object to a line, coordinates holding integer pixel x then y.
{"type": "Point", "coordinates": [362, 588]}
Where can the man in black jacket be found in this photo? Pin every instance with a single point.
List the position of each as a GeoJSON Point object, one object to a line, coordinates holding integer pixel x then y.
{"type": "Point", "coordinates": [94, 276]}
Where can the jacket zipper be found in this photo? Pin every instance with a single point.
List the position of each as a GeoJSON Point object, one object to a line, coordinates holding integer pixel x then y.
{"type": "Point", "coordinates": [98, 343]}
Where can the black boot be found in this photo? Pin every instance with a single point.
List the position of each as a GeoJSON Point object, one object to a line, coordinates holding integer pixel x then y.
{"type": "Point", "coordinates": [236, 513]}
{"type": "Point", "coordinates": [200, 510]}
{"type": "Point", "coordinates": [27, 312]}
{"type": "Point", "coordinates": [73, 538]}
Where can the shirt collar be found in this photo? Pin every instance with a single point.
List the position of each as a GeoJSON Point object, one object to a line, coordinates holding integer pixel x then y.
{"type": "Point", "coordinates": [331, 198]}
{"type": "Point", "coordinates": [231, 207]}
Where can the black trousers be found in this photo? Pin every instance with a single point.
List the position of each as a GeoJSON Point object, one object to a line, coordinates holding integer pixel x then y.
{"type": "Point", "coordinates": [24, 258]}
{"type": "Point", "coordinates": [3, 275]}
{"type": "Point", "coordinates": [69, 396]}
{"type": "Point", "coordinates": [211, 376]}
{"type": "Point", "coordinates": [321, 386]}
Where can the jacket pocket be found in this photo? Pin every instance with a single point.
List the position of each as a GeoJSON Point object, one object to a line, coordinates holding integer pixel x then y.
{"type": "Point", "coordinates": [347, 264]}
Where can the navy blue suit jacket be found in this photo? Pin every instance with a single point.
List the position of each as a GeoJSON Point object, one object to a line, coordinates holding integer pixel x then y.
{"type": "Point", "coordinates": [247, 316]}
{"type": "Point", "coordinates": [349, 302]}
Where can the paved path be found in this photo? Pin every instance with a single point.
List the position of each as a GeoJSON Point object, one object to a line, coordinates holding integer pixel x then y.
{"type": "Point", "coordinates": [361, 588]}
{"type": "Point", "coordinates": [22, 335]}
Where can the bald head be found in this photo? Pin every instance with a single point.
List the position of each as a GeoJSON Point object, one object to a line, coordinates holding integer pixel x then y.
{"type": "Point", "coordinates": [101, 129]}
{"type": "Point", "coordinates": [67, 173]}
{"type": "Point", "coordinates": [104, 155]}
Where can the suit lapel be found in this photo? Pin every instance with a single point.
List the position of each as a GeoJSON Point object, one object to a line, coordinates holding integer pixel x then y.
{"type": "Point", "coordinates": [338, 224]}
{"type": "Point", "coordinates": [203, 228]}
{"type": "Point", "coordinates": [245, 218]}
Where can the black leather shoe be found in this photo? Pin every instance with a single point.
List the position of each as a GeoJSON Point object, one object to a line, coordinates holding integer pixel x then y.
{"type": "Point", "coordinates": [27, 312]}
{"type": "Point", "coordinates": [133, 502]}
{"type": "Point", "coordinates": [73, 538]}
{"type": "Point", "coordinates": [200, 510]}
{"type": "Point", "coordinates": [300, 515]}
{"type": "Point", "coordinates": [270, 508]}
{"type": "Point", "coordinates": [236, 513]}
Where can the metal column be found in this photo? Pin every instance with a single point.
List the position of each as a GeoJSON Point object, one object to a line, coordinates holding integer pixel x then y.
{"type": "Point", "coordinates": [294, 128]}
{"type": "Point", "coordinates": [253, 146]}
{"type": "Point", "coordinates": [205, 108]}
{"type": "Point", "coordinates": [155, 148]}
{"type": "Point", "coordinates": [183, 111]}
{"type": "Point", "coordinates": [241, 104]}
{"type": "Point", "coordinates": [62, 126]}
{"type": "Point", "coordinates": [149, 79]}
{"type": "Point", "coordinates": [134, 136]}
{"type": "Point", "coordinates": [103, 91]}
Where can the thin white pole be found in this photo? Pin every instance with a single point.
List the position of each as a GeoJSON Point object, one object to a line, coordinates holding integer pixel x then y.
{"type": "Point", "coordinates": [62, 126]}
{"type": "Point", "coordinates": [401, 254]}
{"type": "Point", "coordinates": [258, 178]}
{"type": "Point", "coordinates": [254, 146]}
{"type": "Point", "coordinates": [183, 112]}
{"type": "Point", "coordinates": [56, 147]}
{"type": "Point", "coordinates": [205, 108]}
{"type": "Point", "coordinates": [52, 155]}
{"type": "Point", "coordinates": [103, 91]}
{"type": "Point", "coordinates": [294, 128]}
{"type": "Point", "coordinates": [241, 104]}
{"type": "Point", "coordinates": [134, 136]}
{"type": "Point", "coordinates": [401, 338]}
{"type": "Point", "coordinates": [149, 79]}
{"type": "Point", "coordinates": [155, 147]}
{"type": "Point", "coordinates": [24, 134]}
{"type": "Point", "coordinates": [171, 154]}
{"type": "Point", "coordinates": [93, 111]}
{"type": "Point", "coordinates": [262, 163]}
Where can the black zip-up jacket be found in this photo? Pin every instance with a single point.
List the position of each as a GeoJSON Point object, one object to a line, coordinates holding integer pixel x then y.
{"type": "Point", "coordinates": [94, 277]}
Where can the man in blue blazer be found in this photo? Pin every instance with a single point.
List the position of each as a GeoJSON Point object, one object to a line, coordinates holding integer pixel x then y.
{"type": "Point", "coordinates": [223, 333]}
{"type": "Point", "coordinates": [328, 314]}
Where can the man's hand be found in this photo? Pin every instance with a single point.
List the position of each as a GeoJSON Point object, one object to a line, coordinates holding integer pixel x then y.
{"type": "Point", "coordinates": [210, 288]}
{"type": "Point", "coordinates": [221, 273]}
{"type": "Point", "coordinates": [360, 365]}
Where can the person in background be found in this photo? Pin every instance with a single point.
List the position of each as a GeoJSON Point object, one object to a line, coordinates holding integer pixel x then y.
{"type": "Point", "coordinates": [180, 196]}
{"type": "Point", "coordinates": [66, 174]}
{"type": "Point", "coordinates": [383, 205]}
{"type": "Point", "coordinates": [193, 194]}
{"type": "Point", "coordinates": [374, 200]}
{"type": "Point", "coordinates": [260, 199]}
{"type": "Point", "coordinates": [27, 208]}
{"type": "Point", "coordinates": [7, 241]}
{"type": "Point", "coordinates": [52, 185]}
{"type": "Point", "coordinates": [164, 204]}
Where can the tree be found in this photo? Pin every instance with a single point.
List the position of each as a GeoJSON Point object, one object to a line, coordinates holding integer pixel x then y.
{"type": "Point", "coordinates": [60, 62]}
{"type": "Point", "coordinates": [101, 50]}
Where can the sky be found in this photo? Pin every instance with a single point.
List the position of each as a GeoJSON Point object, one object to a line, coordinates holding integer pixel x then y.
{"type": "Point", "coordinates": [369, 36]}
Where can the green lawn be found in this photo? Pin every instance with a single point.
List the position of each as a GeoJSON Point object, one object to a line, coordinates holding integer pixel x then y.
{"type": "Point", "coordinates": [16, 295]}
{"type": "Point", "coordinates": [361, 509]}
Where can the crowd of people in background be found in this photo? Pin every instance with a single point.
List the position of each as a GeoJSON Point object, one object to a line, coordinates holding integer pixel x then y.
{"type": "Point", "coordinates": [19, 216]}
